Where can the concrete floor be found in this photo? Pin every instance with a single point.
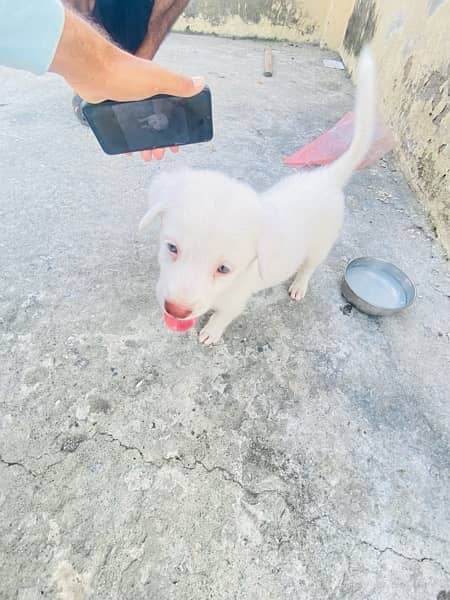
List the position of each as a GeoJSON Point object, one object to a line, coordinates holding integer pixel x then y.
{"type": "Point", "coordinates": [305, 457]}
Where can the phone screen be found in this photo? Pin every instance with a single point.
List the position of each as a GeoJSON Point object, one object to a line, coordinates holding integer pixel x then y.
{"type": "Point", "coordinates": [153, 123]}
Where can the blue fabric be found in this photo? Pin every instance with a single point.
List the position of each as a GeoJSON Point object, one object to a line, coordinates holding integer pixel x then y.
{"type": "Point", "coordinates": [126, 21]}
{"type": "Point", "coordinates": [29, 33]}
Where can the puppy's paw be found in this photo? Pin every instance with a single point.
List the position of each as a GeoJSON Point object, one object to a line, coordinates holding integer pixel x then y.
{"type": "Point", "coordinates": [297, 292]}
{"type": "Point", "coordinates": [211, 333]}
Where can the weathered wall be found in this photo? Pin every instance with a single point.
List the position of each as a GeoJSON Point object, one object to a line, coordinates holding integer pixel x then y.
{"type": "Point", "coordinates": [335, 24]}
{"type": "Point", "coordinates": [291, 20]}
{"type": "Point", "coordinates": [411, 42]}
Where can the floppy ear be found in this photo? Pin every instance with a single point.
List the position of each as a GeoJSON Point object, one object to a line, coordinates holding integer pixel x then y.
{"type": "Point", "coordinates": [268, 247]}
{"type": "Point", "coordinates": [159, 193]}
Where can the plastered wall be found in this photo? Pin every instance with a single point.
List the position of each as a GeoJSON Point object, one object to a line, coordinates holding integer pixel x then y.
{"type": "Point", "coordinates": [280, 19]}
{"type": "Point", "coordinates": [411, 41]}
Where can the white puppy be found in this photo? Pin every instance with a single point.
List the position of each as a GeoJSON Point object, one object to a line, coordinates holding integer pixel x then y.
{"type": "Point", "coordinates": [221, 241]}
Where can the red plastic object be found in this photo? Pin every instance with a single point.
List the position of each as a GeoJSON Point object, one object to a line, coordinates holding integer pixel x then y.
{"type": "Point", "coordinates": [178, 325]}
{"type": "Point", "coordinates": [333, 143]}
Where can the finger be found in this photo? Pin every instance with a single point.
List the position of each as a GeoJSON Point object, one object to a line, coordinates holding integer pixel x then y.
{"type": "Point", "coordinates": [146, 155]}
{"type": "Point", "coordinates": [175, 149]}
{"type": "Point", "coordinates": [158, 153]}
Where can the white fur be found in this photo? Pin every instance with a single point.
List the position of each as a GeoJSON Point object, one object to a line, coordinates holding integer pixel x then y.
{"type": "Point", "coordinates": [264, 239]}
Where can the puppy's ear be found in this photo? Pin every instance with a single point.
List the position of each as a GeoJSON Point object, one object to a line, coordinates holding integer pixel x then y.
{"type": "Point", "coordinates": [267, 248]}
{"type": "Point", "coordinates": [160, 192]}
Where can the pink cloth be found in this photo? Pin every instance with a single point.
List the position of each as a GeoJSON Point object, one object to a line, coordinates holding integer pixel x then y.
{"type": "Point", "coordinates": [333, 143]}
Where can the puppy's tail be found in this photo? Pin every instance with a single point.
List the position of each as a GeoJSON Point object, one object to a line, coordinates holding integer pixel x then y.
{"type": "Point", "coordinates": [364, 118]}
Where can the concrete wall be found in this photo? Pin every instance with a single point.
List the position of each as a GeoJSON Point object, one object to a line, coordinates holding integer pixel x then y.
{"type": "Point", "coordinates": [282, 19]}
{"type": "Point", "coordinates": [411, 42]}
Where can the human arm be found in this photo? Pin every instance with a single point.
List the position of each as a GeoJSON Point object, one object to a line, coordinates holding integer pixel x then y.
{"type": "Point", "coordinates": [41, 36]}
{"type": "Point", "coordinates": [97, 70]}
{"type": "Point", "coordinates": [163, 16]}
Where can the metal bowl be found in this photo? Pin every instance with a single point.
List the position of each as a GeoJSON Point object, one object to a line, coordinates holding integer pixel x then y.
{"type": "Point", "coordinates": [377, 287]}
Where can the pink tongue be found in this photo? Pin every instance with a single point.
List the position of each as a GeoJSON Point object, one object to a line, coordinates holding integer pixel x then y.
{"type": "Point", "coordinates": [178, 325]}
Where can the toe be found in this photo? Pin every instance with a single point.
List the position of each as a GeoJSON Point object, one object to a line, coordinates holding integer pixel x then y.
{"type": "Point", "coordinates": [296, 293]}
{"type": "Point", "coordinates": [208, 338]}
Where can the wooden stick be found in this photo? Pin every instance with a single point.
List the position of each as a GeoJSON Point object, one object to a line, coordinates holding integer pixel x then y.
{"type": "Point", "coordinates": [268, 68]}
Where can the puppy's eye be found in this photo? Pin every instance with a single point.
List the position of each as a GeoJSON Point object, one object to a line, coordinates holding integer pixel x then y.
{"type": "Point", "coordinates": [223, 269]}
{"type": "Point", "coordinates": [172, 248]}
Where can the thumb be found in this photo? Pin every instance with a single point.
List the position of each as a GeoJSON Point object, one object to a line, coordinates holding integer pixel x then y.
{"type": "Point", "coordinates": [179, 85]}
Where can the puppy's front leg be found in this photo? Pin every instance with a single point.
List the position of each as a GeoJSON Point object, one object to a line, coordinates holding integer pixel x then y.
{"type": "Point", "coordinates": [213, 330]}
{"type": "Point", "coordinates": [219, 321]}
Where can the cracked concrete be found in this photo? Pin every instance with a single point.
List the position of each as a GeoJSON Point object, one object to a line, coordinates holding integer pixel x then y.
{"type": "Point", "coordinates": [307, 456]}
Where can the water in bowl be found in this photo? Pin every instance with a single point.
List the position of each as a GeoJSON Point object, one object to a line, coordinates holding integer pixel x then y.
{"type": "Point", "coordinates": [377, 287]}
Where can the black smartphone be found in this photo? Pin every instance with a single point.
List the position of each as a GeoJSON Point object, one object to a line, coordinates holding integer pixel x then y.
{"type": "Point", "coordinates": [157, 122]}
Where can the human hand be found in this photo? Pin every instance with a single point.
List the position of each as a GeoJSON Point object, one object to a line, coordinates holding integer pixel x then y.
{"type": "Point", "coordinates": [131, 78]}
{"type": "Point", "coordinates": [97, 70]}
{"type": "Point", "coordinates": [157, 153]}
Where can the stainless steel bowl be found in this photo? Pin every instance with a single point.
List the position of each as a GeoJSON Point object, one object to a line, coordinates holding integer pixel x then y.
{"type": "Point", "coordinates": [377, 287]}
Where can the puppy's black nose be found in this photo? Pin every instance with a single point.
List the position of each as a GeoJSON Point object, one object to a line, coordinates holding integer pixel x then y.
{"type": "Point", "coordinates": [177, 311]}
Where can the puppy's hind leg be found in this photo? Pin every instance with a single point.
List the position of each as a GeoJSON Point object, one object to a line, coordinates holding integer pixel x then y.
{"type": "Point", "coordinates": [299, 286]}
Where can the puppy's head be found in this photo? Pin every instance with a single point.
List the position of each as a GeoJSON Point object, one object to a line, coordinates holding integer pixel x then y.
{"type": "Point", "coordinates": [208, 236]}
